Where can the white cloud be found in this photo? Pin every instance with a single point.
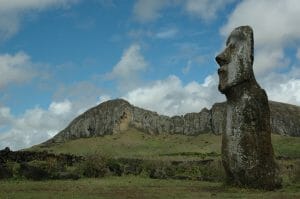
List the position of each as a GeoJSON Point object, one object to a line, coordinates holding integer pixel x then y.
{"type": "Point", "coordinates": [273, 21]}
{"type": "Point", "coordinates": [171, 97]}
{"type": "Point", "coordinates": [81, 96]}
{"type": "Point", "coordinates": [15, 68]}
{"type": "Point", "coordinates": [206, 9]}
{"type": "Point", "coordinates": [286, 92]}
{"type": "Point", "coordinates": [5, 117]}
{"type": "Point", "coordinates": [12, 12]}
{"type": "Point", "coordinates": [283, 87]}
{"type": "Point", "coordinates": [127, 69]}
{"type": "Point", "coordinates": [164, 33]}
{"type": "Point", "coordinates": [148, 10]}
{"type": "Point", "coordinates": [267, 59]}
{"type": "Point", "coordinates": [35, 125]}
{"type": "Point", "coordinates": [60, 108]}
{"type": "Point", "coordinates": [131, 62]}
{"type": "Point", "coordinates": [274, 24]}
{"type": "Point", "coordinates": [103, 98]}
{"type": "Point", "coordinates": [167, 34]}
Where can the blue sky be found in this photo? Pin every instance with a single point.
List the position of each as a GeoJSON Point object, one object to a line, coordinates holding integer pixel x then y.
{"type": "Point", "coordinates": [61, 57]}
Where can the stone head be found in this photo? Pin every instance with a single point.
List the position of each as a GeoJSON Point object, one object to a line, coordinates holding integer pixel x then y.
{"type": "Point", "coordinates": [236, 60]}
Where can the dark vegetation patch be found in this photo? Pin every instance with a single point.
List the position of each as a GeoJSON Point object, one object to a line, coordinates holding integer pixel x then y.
{"type": "Point", "coordinates": [193, 154]}
{"type": "Point", "coordinates": [43, 166]}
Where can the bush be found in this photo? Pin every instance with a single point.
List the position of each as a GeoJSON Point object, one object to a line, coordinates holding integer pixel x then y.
{"type": "Point", "coordinates": [40, 170]}
{"type": "Point", "coordinates": [131, 166]}
{"type": "Point", "coordinates": [159, 169]}
{"type": "Point", "coordinates": [5, 172]}
{"type": "Point", "coordinates": [94, 166]}
{"type": "Point", "coordinates": [14, 168]}
{"type": "Point", "coordinates": [188, 170]}
{"type": "Point", "coordinates": [213, 171]}
{"type": "Point", "coordinates": [295, 178]}
{"type": "Point", "coordinates": [114, 167]}
{"type": "Point", "coordinates": [34, 170]}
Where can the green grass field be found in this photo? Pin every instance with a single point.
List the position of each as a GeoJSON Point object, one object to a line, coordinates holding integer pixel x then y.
{"type": "Point", "coordinates": [135, 144]}
{"type": "Point", "coordinates": [134, 187]}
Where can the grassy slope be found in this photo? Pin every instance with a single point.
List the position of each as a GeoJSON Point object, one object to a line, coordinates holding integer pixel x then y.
{"type": "Point", "coordinates": [134, 187]}
{"type": "Point", "coordinates": [286, 146]}
{"type": "Point", "coordinates": [135, 144]}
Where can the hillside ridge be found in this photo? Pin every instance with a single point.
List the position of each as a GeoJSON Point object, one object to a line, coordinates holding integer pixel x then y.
{"type": "Point", "coordinates": [115, 116]}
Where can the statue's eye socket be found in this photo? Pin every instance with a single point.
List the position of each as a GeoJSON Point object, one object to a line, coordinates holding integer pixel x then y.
{"type": "Point", "coordinates": [231, 46]}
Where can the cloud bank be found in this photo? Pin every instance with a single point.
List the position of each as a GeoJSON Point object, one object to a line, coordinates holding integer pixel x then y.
{"type": "Point", "coordinates": [15, 68]}
{"type": "Point", "coordinates": [12, 12]}
{"type": "Point", "coordinates": [274, 23]}
{"type": "Point", "coordinates": [146, 11]}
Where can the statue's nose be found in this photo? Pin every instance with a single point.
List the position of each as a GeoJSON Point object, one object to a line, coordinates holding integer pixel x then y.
{"type": "Point", "coordinates": [221, 60]}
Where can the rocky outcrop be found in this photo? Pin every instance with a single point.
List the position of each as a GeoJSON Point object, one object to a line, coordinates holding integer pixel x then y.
{"type": "Point", "coordinates": [117, 115]}
{"type": "Point", "coordinates": [285, 119]}
{"type": "Point", "coordinates": [247, 151]}
{"type": "Point", "coordinates": [218, 118]}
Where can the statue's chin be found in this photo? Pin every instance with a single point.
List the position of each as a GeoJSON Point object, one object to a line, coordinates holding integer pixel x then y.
{"type": "Point", "coordinates": [222, 89]}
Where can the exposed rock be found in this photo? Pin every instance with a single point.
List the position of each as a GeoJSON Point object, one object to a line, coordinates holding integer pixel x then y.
{"type": "Point", "coordinates": [118, 115]}
{"type": "Point", "coordinates": [285, 119]}
{"type": "Point", "coordinates": [247, 152]}
{"type": "Point", "coordinates": [218, 118]}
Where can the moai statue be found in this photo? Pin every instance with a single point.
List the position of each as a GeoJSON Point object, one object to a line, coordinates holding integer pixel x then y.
{"type": "Point", "coordinates": [247, 152]}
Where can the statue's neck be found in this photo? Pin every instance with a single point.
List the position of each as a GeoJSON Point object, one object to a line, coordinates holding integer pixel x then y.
{"type": "Point", "coordinates": [236, 92]}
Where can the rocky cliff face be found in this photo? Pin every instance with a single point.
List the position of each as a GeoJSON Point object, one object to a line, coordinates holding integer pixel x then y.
{"type": "Point", "coordinates": [285, 119]}
{"type": "Point", "coordinates": [115, 116]}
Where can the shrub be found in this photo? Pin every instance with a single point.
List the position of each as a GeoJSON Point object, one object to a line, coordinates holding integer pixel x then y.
{"type": "Point", "coordinates": [39, 170]}
{"type": "Point", "coordinates": [52, 165]}
{"type": "Point", "coordinates": [188, 170]}
{"type": "Point", "coordinates": [159, 169]}
{"type": "Point", "coordinates": [14, 168]}
{"type": "Point", "coordinates": [5, 172]}
{"type": "Point", "coordinates": [114, 167]}
{"type": "Point", "coordinates": [94, 165]}
{"type": "Point", "coordinates": [213, 171]}
{"type": "Point", "coordinates": [131, 166]}
{"type": "Point", "coordinates": [296, 172]}
{"type": "Point", "coordinates": [34, 170]}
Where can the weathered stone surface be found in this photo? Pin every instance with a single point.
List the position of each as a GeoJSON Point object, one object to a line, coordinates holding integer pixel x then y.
{"type": "Point", "coordinates": [218, 118]}
{"type": "Point", "coordinates": [247, 152]}
{"type": "Point", "coordinates": [285, 119]}
{"type": "Point", "coordinates": [117, 115]}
